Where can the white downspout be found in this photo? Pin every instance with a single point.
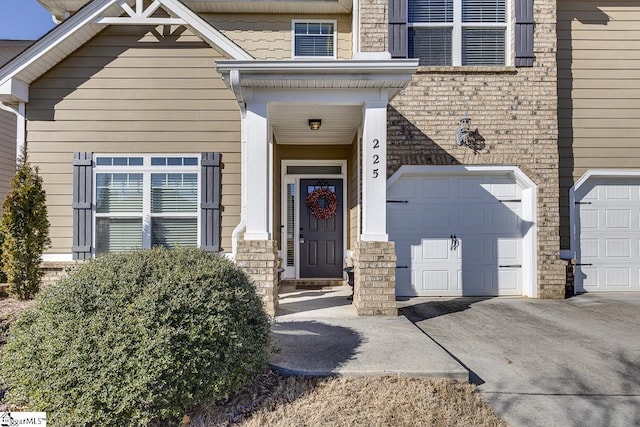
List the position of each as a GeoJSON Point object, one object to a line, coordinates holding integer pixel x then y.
{"type": "Point", "coordinates": [240, 228]}
{"type": "Point", "coordinates": [21, 122]}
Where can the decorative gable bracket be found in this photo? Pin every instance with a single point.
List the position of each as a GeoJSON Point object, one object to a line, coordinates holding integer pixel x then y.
{"type": "Point", "coordinates": [140, 16]}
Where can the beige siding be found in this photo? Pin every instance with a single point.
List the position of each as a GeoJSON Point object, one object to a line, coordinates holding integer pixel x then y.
{"type": "Point", "coordinates": [598, 90]}
{"type": "Point", "coordinates": [8, 49]}
{"type": "Point", "coordinates": [268, 36]}
{"type": "Point", "coordinates": [132, 91]}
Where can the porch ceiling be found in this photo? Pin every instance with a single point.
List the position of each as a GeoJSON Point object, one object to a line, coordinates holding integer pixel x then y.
{"type": "Point", "coordinates": [291, 123]}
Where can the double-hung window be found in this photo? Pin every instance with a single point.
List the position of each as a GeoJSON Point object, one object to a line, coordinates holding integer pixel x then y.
{"type": "Point", "coordinates": [145, 201]}
{"type": "Point", "coordinates": [458, 32]}
{"type": "Point", "coordinates": [314, 39]}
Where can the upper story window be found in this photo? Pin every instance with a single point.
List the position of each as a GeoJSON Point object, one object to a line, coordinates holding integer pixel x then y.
{"type": "Point", "coordinates": [145, 201]}
{"type": "Point", "coordinates": [458, 32]}
{"type": "Point", "coordinates": [314, 39]}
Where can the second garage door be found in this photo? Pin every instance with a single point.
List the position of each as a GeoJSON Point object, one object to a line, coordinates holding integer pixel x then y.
{"type": "Point", "coordinates": [457, 235]}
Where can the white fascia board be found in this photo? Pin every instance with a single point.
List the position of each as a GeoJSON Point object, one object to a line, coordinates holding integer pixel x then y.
{"type": "Point", "coordinates": [54, 38]}
{"type": "Point", "coordinates": [203, 29]}
{"type": "Point", "coordinates": [14, 91]}
{"type": "Point", "coordinates": [345, 66]}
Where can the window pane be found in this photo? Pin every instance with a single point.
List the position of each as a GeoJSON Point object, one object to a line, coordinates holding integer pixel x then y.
{"type": "Point", "coordinates": [174, 192]}
{"type": "Point", "coordinates": [170, 232]}
{"type": "Point", "coordinates": [432, 46]}
{"type": "Point", "coordinates": [313, 39]}
{"type": "Point", "coordinates": [118, 192]}
{"type": "Point", "coordinates": [118, 234]}
{"type": "Point", "coordinates": [482, 46]}
{"type": "Point", "coordinates": [431, 11]}
{"type": "Point", "coordinates": [484, 11]}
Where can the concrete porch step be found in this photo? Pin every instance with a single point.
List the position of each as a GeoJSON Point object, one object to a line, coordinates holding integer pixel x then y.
{"type": "Point", "coordinates": [313, 283]}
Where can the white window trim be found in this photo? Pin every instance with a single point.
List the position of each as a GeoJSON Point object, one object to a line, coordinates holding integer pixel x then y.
{"type": "Point", "coordinates": [314, 21]}
{"type": "Point", "coordinates": [146, 170]}
{"type": "Point", "coordinates": [456, 33]}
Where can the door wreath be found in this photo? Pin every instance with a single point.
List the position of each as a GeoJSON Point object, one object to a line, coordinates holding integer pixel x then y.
{"type": "Point", "coordinates": [331, 203]}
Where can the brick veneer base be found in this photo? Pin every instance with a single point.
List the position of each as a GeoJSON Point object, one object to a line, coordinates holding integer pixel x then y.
{"type": "Point", "coordinates": [53, 271]}
{"type": "Point", "coordinates": [375, 278]}
{"type": "Point", "coordinates": [258, 259]}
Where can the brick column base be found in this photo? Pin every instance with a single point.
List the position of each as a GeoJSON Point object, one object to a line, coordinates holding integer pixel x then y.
{"type": "Point", "coordinates": [374, 266]}
{"type": "Point", "coordinates": [258, 259]}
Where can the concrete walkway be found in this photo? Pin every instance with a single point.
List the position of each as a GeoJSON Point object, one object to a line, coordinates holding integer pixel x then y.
{"type": "Point", "coordinates": [318, 333]}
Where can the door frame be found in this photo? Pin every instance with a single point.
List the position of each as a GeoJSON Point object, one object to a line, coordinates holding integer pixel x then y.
{"type": "Point", "coordinates": [293, 272]}
{"type": "Point", "coordinates": [529, 209]}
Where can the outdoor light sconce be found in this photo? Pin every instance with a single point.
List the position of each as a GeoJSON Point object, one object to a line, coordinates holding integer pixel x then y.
{"type": "Point", "coordinates": [467, 137]}
{"type": "Point", "coordinates": [314, 124]}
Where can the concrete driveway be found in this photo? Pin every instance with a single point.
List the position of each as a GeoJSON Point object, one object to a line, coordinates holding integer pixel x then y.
{"type": "Point", "coordinates": [574, 362]}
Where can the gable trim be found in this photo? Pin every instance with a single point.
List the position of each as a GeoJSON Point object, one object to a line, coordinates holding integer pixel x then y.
{"type": "Point", "coordinates": [78, 29]}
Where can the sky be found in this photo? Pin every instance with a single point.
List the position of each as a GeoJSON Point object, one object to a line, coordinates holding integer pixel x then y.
{"type": "Point", "coordinates": [23, 20]}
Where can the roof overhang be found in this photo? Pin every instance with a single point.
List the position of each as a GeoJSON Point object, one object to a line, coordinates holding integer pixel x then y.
{"type": "Point", "coordinates": [86, 23]}
{"type": "Point", "coordinates": [62, 8]}
{"type": "Point", "coordinates": [390, 74]}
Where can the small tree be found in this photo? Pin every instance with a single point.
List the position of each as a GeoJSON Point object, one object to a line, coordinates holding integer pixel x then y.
{"type": "Point", "coordinates": [25, 229]}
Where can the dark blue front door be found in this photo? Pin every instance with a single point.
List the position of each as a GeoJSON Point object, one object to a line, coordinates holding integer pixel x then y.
{"type": "Point", "coordinates": [321, 245]}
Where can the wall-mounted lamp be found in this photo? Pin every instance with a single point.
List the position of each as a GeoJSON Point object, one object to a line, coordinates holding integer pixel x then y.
{"type": "Point", "coordinates": [467, 137]}
{"type": "Point", "coordinates": [314, 124]}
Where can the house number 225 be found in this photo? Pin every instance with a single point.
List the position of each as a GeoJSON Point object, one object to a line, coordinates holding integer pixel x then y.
{"type": "Point", "coordinates": [376, 158]}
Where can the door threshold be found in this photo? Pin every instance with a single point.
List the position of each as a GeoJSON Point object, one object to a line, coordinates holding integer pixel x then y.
{"type": "Point", "coordinates": [313, 283]}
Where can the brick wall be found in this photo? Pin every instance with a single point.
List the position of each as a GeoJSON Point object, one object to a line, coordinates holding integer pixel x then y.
{"type": "Point", "coordinates": [515, 111]}
{"type": "Point", "coordinates": [374, 268]}
{"type": "Point", "coordinates": [373, 25]}
{"type": "Point", "coordinates": [259, 260]}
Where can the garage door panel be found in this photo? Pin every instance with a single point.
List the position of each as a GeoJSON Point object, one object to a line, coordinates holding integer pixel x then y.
{"type": "Point", "coordinates": [434, 219]}
{"type": "Point", "coordinates": [608, 235]}
{"type": "Point", "coordinates": [403, 189]}
{"type": "Point", "coordinates": [510, 280]}
{"type": "Point", "coordinates": [402, 220]}
{"type": "Point", "coordinates": [617, 218]}
{"type": "Point", "coordinates": [509, 251]}
{"type": "Point", "coordinates": [437, 188]}
{"type": "Point", "coordinates": [469, 208]}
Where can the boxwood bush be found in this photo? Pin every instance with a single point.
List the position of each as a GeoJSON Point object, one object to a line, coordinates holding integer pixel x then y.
{"type": "Point", "coordinates": [136, 339]}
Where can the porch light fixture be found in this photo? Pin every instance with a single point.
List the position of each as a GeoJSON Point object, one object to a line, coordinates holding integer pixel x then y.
{"type": "Point", "coordinates": [467, 137]}
{"type": "Point", "coordinates": [314, 124]}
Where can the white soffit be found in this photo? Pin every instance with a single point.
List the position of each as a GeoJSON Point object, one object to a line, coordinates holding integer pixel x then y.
{"type": "Point", "coordinates": [290, 123]}
{"type": "Point", "coordinates": [59, 7]}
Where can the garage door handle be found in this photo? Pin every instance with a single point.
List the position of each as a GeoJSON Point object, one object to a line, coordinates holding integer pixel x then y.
{"type": "Point", "coordinates": [583, 203]}
{"type": "Point", "coordinates": [402, 266]}
{"type": "Point", "coordinates": [397, 201]}
{"type": "Point", "coordinates": [583, 264]}
{"type": "Point", "coordinates": [511, 266]}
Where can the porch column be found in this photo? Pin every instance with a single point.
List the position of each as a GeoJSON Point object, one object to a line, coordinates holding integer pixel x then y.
{"type": "Point", "coordinates": [374, 172]}
{"type": "Point", "coordinates": [256, 144]}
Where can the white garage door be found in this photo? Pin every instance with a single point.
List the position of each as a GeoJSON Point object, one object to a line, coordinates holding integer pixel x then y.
{"type": "Point", "coordinates": [607, 214]}
{"type": "Point", "coordinates": [456, 235]}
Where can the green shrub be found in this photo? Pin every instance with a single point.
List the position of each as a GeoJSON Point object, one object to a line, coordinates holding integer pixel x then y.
{"type": "Point", "coordinates": [25, 230]}
{"type": "Point", "coordinates": [137, 338]}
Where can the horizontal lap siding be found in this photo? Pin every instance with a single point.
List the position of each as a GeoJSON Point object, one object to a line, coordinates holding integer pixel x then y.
{"type": "Point", "coordinates": [598, 90]}
{"type": "Point", "coordinates": [268, 36]}
{"type": "Point", "coordinates": [7, 151]}
{"type": "Point", "coordinates": [127, 91]}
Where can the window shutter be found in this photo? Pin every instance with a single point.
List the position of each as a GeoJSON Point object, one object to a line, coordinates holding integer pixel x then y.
{"type": "Point", "coordinates": [210, 195]}
{"type": "Point", "coordinates": [82, 211]}
{"type": "Point", "coordinates": [524, 33]}
{"type": "Point", "coordinates": [398, 43]}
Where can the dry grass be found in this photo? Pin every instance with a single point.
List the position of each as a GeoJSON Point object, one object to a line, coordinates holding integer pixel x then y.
{"type": "Point", "coordinates": [388, 401]}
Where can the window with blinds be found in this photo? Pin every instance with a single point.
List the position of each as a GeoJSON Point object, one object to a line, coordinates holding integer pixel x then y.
{"type": "Point", "coordinates": [147, 202]}
{"type": "Point", "coordinates": [458, 32]}
{"type": "Point", "coordinates": [314, 39]}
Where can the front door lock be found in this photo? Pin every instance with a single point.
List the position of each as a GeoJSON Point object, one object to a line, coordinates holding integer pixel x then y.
{"type": "Point", "coordinates": [301, 239]}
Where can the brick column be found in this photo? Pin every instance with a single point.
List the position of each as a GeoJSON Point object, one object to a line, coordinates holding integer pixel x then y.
{"type": "Point", "coordinates": [375, 278]}
{"type": "Point", "coordinates": [258, 259]}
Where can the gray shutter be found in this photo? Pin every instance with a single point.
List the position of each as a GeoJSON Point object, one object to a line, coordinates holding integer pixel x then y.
{"type": "Point", "coordinates": [82, 210]}
{"type": "Point", "coordinates": [398, 37]}
{"type": "Point", "coordinates": [524, 33]}
{"type": "Point", "coordinates": [210, 195]}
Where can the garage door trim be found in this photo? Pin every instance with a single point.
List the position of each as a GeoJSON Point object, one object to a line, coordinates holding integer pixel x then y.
{"type": "Point", "coordinates": [591, 173]}
{"type": "Point", "coordinates": [529, 208]}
